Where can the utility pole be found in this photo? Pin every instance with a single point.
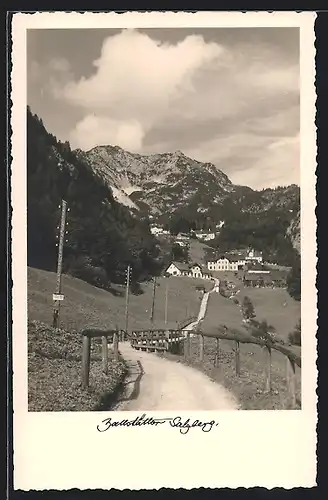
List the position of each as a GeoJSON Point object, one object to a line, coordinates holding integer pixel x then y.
{"type": "Point", "coordinates": [166, 300]}
{"type": "Point", "coordinates": [127, 290]}
{"type": "Point", "coordinates": [153, 302]}
{"type": "Point", "coordinates": [59, 264]}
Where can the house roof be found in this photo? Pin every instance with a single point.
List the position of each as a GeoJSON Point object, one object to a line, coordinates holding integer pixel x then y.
{"type": "Point", "coordinates": [229, 257]}
{"type": "Point", "coordinates": [268, 277]}
{"type": "Point", "coordinates": [180, 265]}
{"type": "Point", "coordinates": [195, 264]}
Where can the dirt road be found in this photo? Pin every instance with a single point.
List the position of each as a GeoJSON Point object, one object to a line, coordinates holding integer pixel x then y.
{"type": "Point", "coordinates": [156, 383]}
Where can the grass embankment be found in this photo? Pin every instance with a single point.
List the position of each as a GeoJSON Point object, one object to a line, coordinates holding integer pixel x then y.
{"type": "Point", "coordinates": [86, 306]}
{"type": "Point", "coordinates": [54, 372]}
{"type": "Point", "coordinates": [54, 360]}
{"type": "Point", "coordinates": [248, 387]}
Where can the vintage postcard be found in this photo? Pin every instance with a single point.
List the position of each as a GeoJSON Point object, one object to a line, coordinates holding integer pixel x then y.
{"type": "Point", "coordinates": [164, 250]}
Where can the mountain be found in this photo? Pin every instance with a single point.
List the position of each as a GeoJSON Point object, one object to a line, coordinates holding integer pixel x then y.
{"type": "Point", "coordinates": [103, 236]}
{"type": "Point", "coordinates": [113, 193]}
{"type": "Point", "coordinates": [184, 194]}
{"type": "Point", "coordinates": [159, 183]}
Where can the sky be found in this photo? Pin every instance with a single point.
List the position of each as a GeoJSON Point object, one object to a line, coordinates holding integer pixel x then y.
{"type": "Point", "coordinates": [229, 96]}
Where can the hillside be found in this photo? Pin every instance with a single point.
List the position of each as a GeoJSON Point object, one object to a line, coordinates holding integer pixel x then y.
{"type": "Point", "coordinates": [182, 194]}
{"type": "Point", "coordinates": [103, 236]}
{"type": "Point", "coordinates": [88, 306]}
{"type": "Point", "coordinates": [294, 232]}
{"type": "Point", "coordinates": [162, 182]}
{"type": "Point", "coordinates": [54, 372]}
{"type": "Point", "coordinates": [113, 194]}
{"type": "Point", "coordinates": [170, 183]}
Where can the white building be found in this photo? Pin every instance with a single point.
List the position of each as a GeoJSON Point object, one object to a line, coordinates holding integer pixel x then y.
{"type": "Point", "coordinates": [223, 264]}
{"type": "Point", "coordinates": [192, 271]}
{"type": "Point", "coordinates": [226, 263]}
{"type": "Point", "coordinates": [156, 230]}
{"type": "Point", "coordinates": [233, 262]}
{"type": "Point", "coordinates": [205, 235]}
{"type": "Point", "coordinates": [254, 255]}
{"type": "Point", "coordinates": [177, 268]}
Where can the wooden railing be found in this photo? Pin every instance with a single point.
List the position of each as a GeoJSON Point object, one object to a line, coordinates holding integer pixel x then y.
{"type": "Point", "coordinates": [156, 340]}
{"type": "Point", "coordinates": [292, 353]}
{"type": "Point", "coordinates": [107, 337]}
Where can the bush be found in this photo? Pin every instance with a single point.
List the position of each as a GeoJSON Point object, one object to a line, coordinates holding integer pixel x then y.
{"type": "Point", "coordinates": [248, 308]}
{"type": "Point", "coordinates": [294, 337]}
{"type": "Point", "coordinates": [81, 267]}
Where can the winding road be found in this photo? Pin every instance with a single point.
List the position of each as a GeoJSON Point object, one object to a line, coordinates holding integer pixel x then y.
{"type": "Point", "coordinates": [156, 383]}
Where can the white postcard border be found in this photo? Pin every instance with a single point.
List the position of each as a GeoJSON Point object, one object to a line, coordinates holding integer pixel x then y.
{"type": "Point", "coordinates": [248, 448]}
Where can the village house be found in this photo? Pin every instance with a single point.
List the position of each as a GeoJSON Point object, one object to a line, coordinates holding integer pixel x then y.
{"type": "Point", "coordinates": [205, 235]}
{"type": "Point", "coordinates": [226, 263]}
{"type": "Point", "coordinates": [266, 279]}
{"type": "Point", "coordinates": [235, 260]}
{"type": "Point", "coordinates": [182, 240]}
{"type": "Point", "coordinates": [156, 230]}
{"type": "Point", "coordinates": [256, 267]}
{"type": "Point", "coordinates": [190, 270]}
{"type": "Point", "coordinates": [254, 255]}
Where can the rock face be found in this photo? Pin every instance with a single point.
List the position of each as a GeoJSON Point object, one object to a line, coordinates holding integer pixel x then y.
{"type": "Point", "coordinates": [294, 232]}
{"type": "Point", "coordinates": [167, 184]}
{"type": "Point", "coordinates": [163, 182]}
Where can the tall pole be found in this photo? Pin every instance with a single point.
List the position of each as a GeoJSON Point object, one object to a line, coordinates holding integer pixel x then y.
{"type": "Point", "coordinates": [127, 299]}
{"type": "Point", "coordinates": [153, 302]}
{"type": "Point", "coordinates": [60, 262]}
{"type": "Point", "coordinates": [166, 300]}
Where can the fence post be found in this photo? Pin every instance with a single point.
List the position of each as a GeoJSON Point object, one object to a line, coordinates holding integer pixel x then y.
{"type": "Point", "coordinates": [290, 369]}
{"type": "Point", "coordinates": [216, 351]}
{"type": "Point", "coordinates": [187, 346]}
{"type": "Point", "coordinates": [267, 364]}
{"type": "Point", "coordinates": [104, 354]}
{"type": "Point", "coordinates": [167, 339]}
{"type": "Point", "coordinates": [201, 348]}
{"type": "Point", "coordinates": [237, 358]}
{"type": "Point", "coordinates": [86, 347]}
{"type": "Point", "coordinates": [115, 345]}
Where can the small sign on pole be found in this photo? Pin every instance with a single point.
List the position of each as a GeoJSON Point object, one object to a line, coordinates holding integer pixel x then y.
{"type": "Point", "coordinates": [56, 296]}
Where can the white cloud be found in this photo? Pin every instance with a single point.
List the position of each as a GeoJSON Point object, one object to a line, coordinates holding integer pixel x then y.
{"type": "Point", "coordinates": [138, 78]}
{"type": "Point", "coordinates": [95, 130]}
{"type": "Point", "coordinates": [249, 93]}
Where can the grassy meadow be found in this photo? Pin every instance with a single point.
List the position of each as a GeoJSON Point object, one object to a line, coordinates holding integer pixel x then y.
{"type": "Point", "coordinates": [280, 311]}
{"type": "Point", "coordinates": [86, 306]}
{"type": "Point", "coordinates": [54, 355]}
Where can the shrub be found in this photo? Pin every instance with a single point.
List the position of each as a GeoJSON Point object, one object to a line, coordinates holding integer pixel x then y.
{"type": "Point", "coordinates": [294, 337]}
{"type": "Point", "coordinates": [248, 308]}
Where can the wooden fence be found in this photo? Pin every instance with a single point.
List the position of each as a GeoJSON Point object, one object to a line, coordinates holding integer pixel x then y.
{"type": "Point", "coordinates": [107, 337]}
{"type": "Point", "coordinates": [293, 356]}
{"type": "Point", "coordinates": [157, 340]}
